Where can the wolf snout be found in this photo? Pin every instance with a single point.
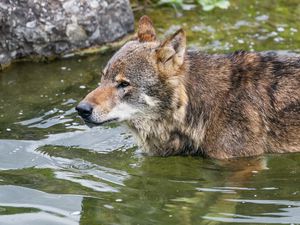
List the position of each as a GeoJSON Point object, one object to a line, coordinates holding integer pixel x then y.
{"type": "Point", "coordinates": [84, 109]}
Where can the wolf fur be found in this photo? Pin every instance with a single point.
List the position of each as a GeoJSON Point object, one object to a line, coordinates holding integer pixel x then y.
{"type": "Point", "coordinates": [186, 102]}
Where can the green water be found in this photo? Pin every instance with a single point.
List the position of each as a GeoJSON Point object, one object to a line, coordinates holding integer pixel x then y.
{"type": "Point", "coordinates": [55, 170]}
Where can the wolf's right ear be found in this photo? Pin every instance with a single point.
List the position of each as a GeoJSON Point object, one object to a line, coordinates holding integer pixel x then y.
{"type": "Point", "coordinates": [146, 31]}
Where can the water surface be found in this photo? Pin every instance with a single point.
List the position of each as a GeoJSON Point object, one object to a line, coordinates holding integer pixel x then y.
{"type": "Point", "coordinates": [55, 170]}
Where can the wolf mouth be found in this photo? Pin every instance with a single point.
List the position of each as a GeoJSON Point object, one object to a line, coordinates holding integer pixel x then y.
{"type": "Point", "coordinates": [92, 123]}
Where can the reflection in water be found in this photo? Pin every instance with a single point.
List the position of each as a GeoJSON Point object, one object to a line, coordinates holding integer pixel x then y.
{"type": "Point", "coordinates": [187, 191]}
{"type": "Point", "coordinates": [123, 187]}
{"type": "Point", "coordinates": [54, 170]}
{"type": "Point", "coordinates": [287, 212]}
{"type": "Point", "coordinates": [58, 208]}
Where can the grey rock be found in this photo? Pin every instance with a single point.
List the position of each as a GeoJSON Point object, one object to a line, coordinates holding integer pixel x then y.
{"type": "Point", "coordinates": [71, 6]}
{"type": "Point", "coordinates": [46, 28]}
{"type": "Point", "coordinates": [76, 33]}
{"type": "Point", "coordinates": [31, 24]}
{"type": "Point", "coordinates": [94, 4]}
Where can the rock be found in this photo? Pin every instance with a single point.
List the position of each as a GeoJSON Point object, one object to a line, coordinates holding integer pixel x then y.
{"type": "Point", "coordinates": [31, 24]}
{"type": "Point", "coordinates": [46, 28]}
{"type": "Point", "coordinates": [71, 6]}
{"type": "Point", "coordinates": [94, 4]}
{"type": "Point", "coordinates": [76, 33]}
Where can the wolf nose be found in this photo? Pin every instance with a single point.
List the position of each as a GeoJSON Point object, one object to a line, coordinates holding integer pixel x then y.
{"type": "Point", "coordinates": [84, 109]}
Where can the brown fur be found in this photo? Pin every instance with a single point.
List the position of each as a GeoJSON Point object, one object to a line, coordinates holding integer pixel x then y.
{"type": "Point", "coordinates": [146, 33]}
{"type": "Point", "coordinates": [187, 102]}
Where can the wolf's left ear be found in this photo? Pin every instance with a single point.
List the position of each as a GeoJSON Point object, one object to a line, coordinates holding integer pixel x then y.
{"type": "Point", "coordinates": [172, 51]}
{"type": "Point", "coordinates": [146, 31]}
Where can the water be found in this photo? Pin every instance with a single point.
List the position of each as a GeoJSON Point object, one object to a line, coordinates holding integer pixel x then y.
{"type": "Point", "coordinates": [55, 170]}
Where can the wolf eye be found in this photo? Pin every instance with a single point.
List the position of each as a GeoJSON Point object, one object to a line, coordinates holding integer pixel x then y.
{"type": "Point", "coordinates": [123, 84]}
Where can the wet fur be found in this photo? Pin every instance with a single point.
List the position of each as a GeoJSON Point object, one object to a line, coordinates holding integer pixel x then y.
{"type": "Point", "coordinates": [241, 104]}
{"type": "Point", "coordinates": [218, 106]}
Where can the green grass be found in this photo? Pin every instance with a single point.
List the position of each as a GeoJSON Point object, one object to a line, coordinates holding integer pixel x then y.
{"type": "Point", "coordinates": [207, 5]}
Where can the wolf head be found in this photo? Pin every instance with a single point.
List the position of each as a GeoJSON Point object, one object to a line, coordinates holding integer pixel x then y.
{"type": "Point", "coordinates": [139, 82]}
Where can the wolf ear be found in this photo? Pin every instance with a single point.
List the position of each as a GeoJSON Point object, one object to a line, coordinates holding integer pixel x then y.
{"type": "Point", "coordinates": [171, 52]}
{"type": "Point", "coordinates": [146, 31]}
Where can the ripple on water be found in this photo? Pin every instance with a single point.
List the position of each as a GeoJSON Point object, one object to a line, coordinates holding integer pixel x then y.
{"type": "Point", "coordinates": [37, 207]}
{"type": "Point", "coordinates": [286, 212]}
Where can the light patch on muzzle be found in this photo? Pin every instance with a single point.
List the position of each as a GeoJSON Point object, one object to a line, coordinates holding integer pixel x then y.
{"type": "Point", "coordinates": [122, 112]}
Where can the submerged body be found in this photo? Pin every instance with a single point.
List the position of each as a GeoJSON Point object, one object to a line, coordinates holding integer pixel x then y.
{"type": "Point", "coordinates": [235, 105]}
{"type": "Point", "coordinates": [180, 102]}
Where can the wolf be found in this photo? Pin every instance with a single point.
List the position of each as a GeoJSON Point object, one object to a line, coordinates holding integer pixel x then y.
{"type": "Point", "coordinates": [180, 101]}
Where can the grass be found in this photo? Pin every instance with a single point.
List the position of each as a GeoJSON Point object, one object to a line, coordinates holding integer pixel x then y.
{"type": "Point", "coordinates": [207, 5]}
